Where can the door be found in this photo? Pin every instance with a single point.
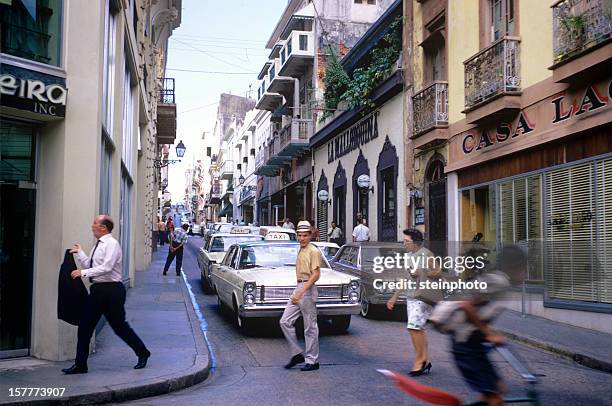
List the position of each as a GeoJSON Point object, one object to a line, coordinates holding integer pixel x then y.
{"type": "Point", "coordinates": [340, 208]}
{"type": "Point", "coordinates": [389, 205]}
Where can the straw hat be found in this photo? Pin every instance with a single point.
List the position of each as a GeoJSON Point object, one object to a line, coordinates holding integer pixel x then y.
{"type": "Point", "coordinates": [303, 226]}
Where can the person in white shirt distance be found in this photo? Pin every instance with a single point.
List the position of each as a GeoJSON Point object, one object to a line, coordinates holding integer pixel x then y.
{"type": "Point", "coordinates": [104, 268]}
{"type": "Point", "coordinates": [361, 232]}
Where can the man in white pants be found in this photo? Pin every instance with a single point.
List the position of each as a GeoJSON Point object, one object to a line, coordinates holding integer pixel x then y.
{"type": "Point", "coordinates": [304, 301]}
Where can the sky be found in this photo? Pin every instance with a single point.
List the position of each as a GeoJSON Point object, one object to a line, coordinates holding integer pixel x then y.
{"type": "Point", "coordinates": [214, 36]}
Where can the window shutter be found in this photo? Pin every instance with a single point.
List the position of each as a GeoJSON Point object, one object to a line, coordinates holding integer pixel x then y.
{"type": "Point", "coordinates": [571, 274]}
{"type": "Point", "coordinates": [604, 228]}
{"type": "Point", "coordinates": [322, 219]}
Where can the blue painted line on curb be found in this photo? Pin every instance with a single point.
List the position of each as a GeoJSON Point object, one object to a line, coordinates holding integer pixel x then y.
{"type": "Point", "coordinates": [201, 319]}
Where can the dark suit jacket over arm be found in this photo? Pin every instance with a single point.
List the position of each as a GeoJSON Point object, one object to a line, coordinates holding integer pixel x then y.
{"type": "Point", "coordinates": [71, 293]}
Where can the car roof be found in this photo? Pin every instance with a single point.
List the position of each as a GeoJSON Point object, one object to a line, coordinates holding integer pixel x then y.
{"type": "Point", "coordinates": [267, 242]}
{"type": "Point", "coordinates": [278, 229]}
{"type": "Point", "coordinates": [375, 244]}
{"type": "Point", "coordinates": [235, 235]}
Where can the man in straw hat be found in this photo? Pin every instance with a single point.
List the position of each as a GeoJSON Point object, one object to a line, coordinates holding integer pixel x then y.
{"type": "Point", "coordinates": [304, 301]}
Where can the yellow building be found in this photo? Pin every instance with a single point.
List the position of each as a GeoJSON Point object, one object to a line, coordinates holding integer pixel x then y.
{"type": "Point", "coordinates": [513, 96]}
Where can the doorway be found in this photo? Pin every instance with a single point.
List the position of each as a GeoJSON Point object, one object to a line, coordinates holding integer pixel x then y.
{"type": "Point", "coordinates": [17, 217]}
{"type": "Point", "coordinates": [436, 188]}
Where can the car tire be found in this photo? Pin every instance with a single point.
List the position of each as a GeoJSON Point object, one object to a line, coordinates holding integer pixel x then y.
{"type": "Point", "coordinates": [206, 286]}
{"type": "Point", "coordinates": [243, 324]}
{"type": "Point", "coordinates": [340, 324]}
{"type": "Point", "coordinates": [368, 310]}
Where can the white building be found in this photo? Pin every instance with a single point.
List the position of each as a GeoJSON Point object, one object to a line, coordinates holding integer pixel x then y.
{"type": "Point", "coordinates": [81, 141]}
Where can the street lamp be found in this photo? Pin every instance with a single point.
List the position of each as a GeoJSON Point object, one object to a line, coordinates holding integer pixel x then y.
{"type": "Point", "coordinates": [241, 180]}
{"type": "Point", "coordinates": [180, 152]}
{"type": "Point", "coordinates": [363, 181]}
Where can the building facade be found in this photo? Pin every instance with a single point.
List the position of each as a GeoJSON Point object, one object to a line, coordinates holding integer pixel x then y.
{"type": "Point", "coordinates": [358, 153]}
{"type": "Point", "coordinates": [530, 146]}
{"type": "Point", "coordinates": [290, 88]}
{"type": "Point", "coordinates": [78, 135]}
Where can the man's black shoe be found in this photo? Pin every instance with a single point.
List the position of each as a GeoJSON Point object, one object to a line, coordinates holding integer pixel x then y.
{"type": "Point", "coordinates": [142, 361]}
{"type": "Point", "coordinates": [74, 370]}
{"type": "Point", "coordinates": [310, 367]}
{"type": "Point", "coordinates": [296, 359]}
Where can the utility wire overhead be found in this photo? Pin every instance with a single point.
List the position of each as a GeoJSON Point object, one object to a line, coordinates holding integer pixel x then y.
{"type": "Point", "coordinates": [213, 72]}
{"type": "Point", "coordinates": [211, 55]}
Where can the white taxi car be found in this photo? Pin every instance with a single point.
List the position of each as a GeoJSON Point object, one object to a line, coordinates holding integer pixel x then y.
{"type": "Point", "coordinates": [256, 279]}
{"type": "Point", "coordinates": [272, 233]}
{"type": "Point", "coordinates": [213, 250]}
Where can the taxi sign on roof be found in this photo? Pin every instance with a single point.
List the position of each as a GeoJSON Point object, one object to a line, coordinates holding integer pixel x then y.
{"type": "Point", "coordinates": [240, 230]}
{"type": "Point", "coordinates": [277, 236]}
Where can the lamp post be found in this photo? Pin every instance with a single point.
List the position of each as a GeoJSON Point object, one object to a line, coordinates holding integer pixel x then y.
{"type": "Point", "coordinates": [180, 152]}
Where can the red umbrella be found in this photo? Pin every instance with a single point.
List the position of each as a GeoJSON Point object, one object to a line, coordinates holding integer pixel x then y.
{"type": "Point", "coordinates": [420, 391]}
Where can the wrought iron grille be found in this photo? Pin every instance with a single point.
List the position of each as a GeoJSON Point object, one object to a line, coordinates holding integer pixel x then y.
{"type": "Point", "coordinates": [579, 25]}
{"type": "Point", "coordinates": [166, 92]}
{"type": "Point", "coordinates": [493, 71]}
{"type": "Point", "coordinates": [430, 107]}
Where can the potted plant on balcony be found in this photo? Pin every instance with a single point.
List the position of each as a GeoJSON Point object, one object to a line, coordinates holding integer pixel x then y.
{"type": "Point", "coordinates": [575, 28]}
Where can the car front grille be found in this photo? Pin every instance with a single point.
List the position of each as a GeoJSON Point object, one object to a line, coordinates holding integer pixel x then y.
{"type": "Point", "coordinates": [283, 293]}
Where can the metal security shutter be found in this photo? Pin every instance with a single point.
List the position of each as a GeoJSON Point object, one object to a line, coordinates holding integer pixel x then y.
{"type": "Point", "coordinates": [570, 269]}
{"type": "Point", "coordinates": [322, 219]}
{"type": "Point", "coordinates": [604, 229]}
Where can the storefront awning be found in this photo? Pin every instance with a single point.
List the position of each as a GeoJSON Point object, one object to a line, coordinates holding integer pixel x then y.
{"type": "Point", "coordinates": [228, 209]}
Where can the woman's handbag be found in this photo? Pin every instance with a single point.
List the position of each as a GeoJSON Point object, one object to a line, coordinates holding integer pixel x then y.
{"type": "Point", "coordinates": [430, 296]}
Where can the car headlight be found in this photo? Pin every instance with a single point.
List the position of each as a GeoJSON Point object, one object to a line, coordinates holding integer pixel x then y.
{"type": "Point", "coordinates": [249, 287]}
{"type": "Point", "coordinates": [353, 297]}
{"type": "Point", "coordinates": [249, 299]}
{"type": "Point", "coordinates": [354, 285]}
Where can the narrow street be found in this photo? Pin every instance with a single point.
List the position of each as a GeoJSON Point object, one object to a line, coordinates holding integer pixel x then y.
{"type": "Point", "coordinates": [250, 368]}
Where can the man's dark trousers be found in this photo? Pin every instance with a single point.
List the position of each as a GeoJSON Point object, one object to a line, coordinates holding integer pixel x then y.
{"type": "Point", "coordinates": [179, 259]}
{"type": "Point", "coordinates": [108, 299]}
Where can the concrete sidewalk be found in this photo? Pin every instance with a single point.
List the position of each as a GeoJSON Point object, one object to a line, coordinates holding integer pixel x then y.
{"type": "Point", "coordinates": [161, 312]}
{"type": "Point", "coordinates": [590, 348]}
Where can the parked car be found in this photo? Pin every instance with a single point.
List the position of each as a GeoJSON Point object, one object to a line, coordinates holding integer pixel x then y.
{"type": "Point", "coordinates": [329, 249]}
{"type": "Point", "coordinates": [256, 279]}
{"type": "Point", "coordinates": [194, 229]}
{"type": "Point", "coordinates": [357, 259]}
{"type": "Point", "coordinates": [213, 250]}
{"type": "Point", "coordinates": [273, 233]}
{"type": "Point", "coordinates": [216, 228]}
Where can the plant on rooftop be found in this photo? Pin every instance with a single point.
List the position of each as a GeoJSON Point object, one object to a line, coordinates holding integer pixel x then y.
{"type": "Point", "coordinates": [336, 82]}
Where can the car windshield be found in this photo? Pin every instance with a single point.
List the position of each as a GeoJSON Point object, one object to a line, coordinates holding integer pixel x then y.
{"type": "Point", "coordinates": [272, 255]}
{"type": "Point", "coordinates": [330, 251]}
{"type": "Point", "coordinates": [221, 244]}
{"type": "Point", "coordinates": [369, 253]}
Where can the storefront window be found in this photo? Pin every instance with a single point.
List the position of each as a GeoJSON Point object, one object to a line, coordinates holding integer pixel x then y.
{"type": "Point", "coordinates": [478, 213]}
{"type": "Point", "coordinates": [32, 29]}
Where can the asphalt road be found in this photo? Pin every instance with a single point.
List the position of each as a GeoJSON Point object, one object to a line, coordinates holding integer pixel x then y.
{"type": "Point", "coordinates": [249, 369]}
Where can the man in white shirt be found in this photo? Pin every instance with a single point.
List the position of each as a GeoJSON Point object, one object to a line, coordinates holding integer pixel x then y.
{"type": "Point", "coordinates": [361, 232]}
{"type": "Point", "coordinates": [104, 269]}
{"type": "Point", "coordinates": [288, 224]}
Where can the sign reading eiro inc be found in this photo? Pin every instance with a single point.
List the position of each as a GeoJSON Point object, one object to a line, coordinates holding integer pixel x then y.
{"type": "Point", "coordinates": [33, 95]}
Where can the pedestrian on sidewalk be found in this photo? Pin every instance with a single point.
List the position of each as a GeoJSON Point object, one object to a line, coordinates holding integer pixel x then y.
{"type": "Point", "coordinates": [178, 239]}
{"type": "Point", "coordinates": [361, 232]}
{"type": "Point", "coordinates": [303, 302]}
{"type": "Point", "coordinates": [104, 268]}
{"type": "Point", "coordinates": [418, 307]}
{"type": "Point", "coordinates": [288, 224]}
{"type": "Point", "coordinates": [170, 226]}
{"type": "Point", "coordinates": [336, 234]}
{"type": "Point", "coordinates": [161, 227]}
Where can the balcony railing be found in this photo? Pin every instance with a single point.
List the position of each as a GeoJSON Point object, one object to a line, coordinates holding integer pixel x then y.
{"type": "Point", "coordinates": [492, 72]}
{"type": "Point", "coordinates": [430, 107]}
{"type": "Point", "coordinates": [227, 169]}
{"type": "Point", "coordinates": [579, 25]}
{"type": "Point", "coordinates": [166, 91]}
{"type": "Point", "coordinates": [298, 48]}
{"type": "Point", "coordinates": [294, 137]}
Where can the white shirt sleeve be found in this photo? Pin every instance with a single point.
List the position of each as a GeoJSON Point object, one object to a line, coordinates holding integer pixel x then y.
{"type": "Point", "coordinates": [112, 253]}
{"type": "Point", "coordinates": [83, 259]}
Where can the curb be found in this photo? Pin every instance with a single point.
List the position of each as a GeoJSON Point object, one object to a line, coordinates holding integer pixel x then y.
{"type": "Point", "coordinates": [582, 359]}
{"type": "Point", "coordinates": [198, 372]}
